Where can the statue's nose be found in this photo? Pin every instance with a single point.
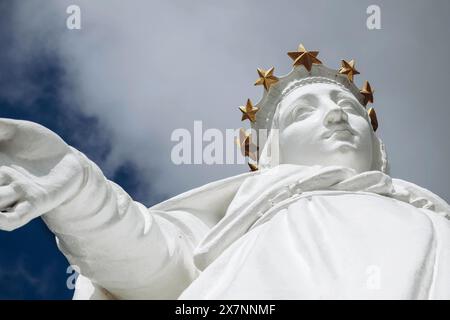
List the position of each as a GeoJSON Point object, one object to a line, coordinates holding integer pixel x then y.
{"type": "Point", "coordinates": [335, 115]}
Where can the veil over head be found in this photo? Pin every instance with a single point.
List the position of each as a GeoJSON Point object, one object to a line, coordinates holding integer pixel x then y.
{"type": "Point", "coordinates": [270, 154]}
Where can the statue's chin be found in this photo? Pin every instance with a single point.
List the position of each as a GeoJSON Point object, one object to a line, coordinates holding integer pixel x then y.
{"type": "Point", "coordinates": [342, 140]}
{"type": "Point", "coordinates": [345, 147]}
{"type": "Point", "coordinates": [345, 154]}
{"type": "Point", "coordinates": [337, 150]}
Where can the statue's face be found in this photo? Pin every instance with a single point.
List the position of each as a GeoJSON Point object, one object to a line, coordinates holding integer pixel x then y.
{"type": "Point", "coordinates": [323, 124]}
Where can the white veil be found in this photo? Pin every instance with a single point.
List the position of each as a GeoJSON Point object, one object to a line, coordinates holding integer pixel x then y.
{"type": "Point", "coordinates": [269, 156]}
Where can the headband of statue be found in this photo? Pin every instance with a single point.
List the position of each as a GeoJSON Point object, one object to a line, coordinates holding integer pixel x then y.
{"type": "Point", "coordinates": [307, 69]}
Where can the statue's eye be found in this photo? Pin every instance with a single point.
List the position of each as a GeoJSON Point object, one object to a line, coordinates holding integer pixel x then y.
{"type": "Point", "coordinates": [302, 112]}
{"type": "Point", "coordinates": [348, 106]}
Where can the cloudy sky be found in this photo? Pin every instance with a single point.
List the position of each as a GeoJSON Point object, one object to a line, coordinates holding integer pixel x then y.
{"type": "Point", "coordinates": [137, 70]}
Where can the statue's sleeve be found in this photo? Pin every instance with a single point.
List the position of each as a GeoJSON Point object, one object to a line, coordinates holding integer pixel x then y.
{"type": "Point", "coordinates": [120, 245]}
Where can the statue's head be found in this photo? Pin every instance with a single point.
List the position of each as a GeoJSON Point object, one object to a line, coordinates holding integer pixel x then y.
{"type": "Point", "coordinates": [318, 118]}
{"type": "Point", "coordinates": [324, 124]}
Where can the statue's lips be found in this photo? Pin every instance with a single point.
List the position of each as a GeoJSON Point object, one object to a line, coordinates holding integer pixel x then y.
{"type": "Point", "coordinates": [344, 130]}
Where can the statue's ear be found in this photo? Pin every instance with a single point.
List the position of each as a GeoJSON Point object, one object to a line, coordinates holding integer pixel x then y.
{"type": "Point", "coordinates": [270, 153]}
{"type": "Point", "coordinates": [379, 158]}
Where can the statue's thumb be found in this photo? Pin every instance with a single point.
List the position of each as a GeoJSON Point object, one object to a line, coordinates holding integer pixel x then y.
{"type": "Point", "coordinates": [7, 129]}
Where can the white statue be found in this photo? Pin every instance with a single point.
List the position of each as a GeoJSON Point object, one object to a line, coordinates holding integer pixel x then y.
{"type": "Point", "coordinates": [320, 219]}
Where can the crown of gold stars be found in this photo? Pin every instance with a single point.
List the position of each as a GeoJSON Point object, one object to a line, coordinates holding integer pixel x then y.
{"type": "Point", "coordinates": [306, 65]}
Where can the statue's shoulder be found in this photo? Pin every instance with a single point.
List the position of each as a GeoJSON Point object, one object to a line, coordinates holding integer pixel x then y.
{"type": "Point", "coordinates": [418, 192]}
{"type": "Point", "coordinates": [208, 202]}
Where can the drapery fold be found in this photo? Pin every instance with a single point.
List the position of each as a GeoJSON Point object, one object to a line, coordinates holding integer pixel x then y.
{"type": "Point", "coordinates": [260, 192]}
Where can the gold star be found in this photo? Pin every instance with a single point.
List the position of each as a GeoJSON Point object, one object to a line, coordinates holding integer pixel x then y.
{"type": "Point", "coordinates": [266, 78]}
{"type": "Point", "coordinates": [348, 68]}
{"type": "Point", "coordinates": [248, 148]}
{"type": "Point", "coordinates": [248, 111]}
{"type": "Point", "coordinates": [304, 57]}
{"type": "Point", "coordinates": [373, 118]}
{"type": "Point", "coordinates": [367, 92]}
{"type": "Point", "coordinates": [253, 167]}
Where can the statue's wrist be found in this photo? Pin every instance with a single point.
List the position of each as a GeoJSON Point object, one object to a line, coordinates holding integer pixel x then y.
{"type": "Point", "coordinates": [81, 176]}
{"type": "Point", "coordinates": [62, 193]}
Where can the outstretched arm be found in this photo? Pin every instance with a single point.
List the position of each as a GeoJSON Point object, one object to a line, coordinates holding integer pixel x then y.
{"type": "Point", "coordinates": [116, 242]}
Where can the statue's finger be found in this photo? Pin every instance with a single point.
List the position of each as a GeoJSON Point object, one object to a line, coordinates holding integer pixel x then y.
{"type": "Point", "coordinates": [8, 196]}
{"type": "Point", "coordinates": [4, 179]}
{"type": "Point", "coordinates": [19, 216]}
{"type": "Point", "coordinates": [8, 174]}
{"type": "Point", "coordinates": [7, 128]}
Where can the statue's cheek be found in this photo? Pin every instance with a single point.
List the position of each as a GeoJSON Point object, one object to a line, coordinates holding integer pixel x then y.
{"type": "Point", "coordinates": [301, 131]}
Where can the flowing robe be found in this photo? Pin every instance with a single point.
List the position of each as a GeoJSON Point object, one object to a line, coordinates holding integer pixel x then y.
{"type": "Point", "coordinates": [289, 232]}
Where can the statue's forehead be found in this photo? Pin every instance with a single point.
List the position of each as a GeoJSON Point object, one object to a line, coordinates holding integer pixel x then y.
{"type": "Point", "coordinates": [316, 91]}
{"type": "Point", "coordinates": [312, 94]}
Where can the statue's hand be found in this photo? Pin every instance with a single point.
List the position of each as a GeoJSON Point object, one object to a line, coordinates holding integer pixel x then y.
{"type": "Point", "coordinates": [38, 171]}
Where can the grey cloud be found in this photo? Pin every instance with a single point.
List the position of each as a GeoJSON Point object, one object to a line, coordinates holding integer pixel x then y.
{"type": "Point", "coordinates": [144, 68]}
